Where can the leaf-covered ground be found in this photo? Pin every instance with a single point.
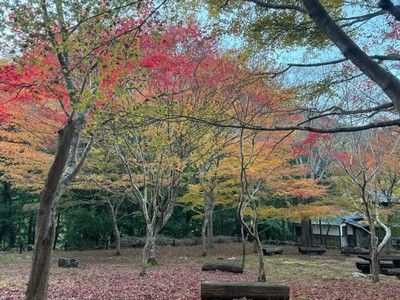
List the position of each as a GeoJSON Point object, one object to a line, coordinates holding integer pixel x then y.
{"type": "Point", "coordinates": [102, 275]}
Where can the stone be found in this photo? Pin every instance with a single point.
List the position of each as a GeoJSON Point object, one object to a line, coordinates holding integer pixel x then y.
{"type": "Point", "coordinates": [65, 262]}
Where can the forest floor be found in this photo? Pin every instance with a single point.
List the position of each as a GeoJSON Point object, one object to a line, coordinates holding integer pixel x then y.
{"type": "Point", "coordinates": [102, 275]}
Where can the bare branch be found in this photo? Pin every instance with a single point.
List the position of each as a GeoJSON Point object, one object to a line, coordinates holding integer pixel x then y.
{"type": "Point", "coordinates": [220, 123]}
{"type": "Point", "coordinates": [278, 6]}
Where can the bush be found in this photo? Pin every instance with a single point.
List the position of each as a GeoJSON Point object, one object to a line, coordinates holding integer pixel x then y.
{"type": "Point", "coordinates": [87, 228]}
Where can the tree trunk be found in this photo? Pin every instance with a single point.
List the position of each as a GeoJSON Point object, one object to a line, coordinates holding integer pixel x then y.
{"type": "Point", "coordinates": [30, 239]}
{"type": "Point", "coordinates": [320, 231]}
{"type": "Point", "coordinates": [204, 233]}
{"type": "Point", "coordinates": [207, 230]}
{"type": "Point", "coordinates": [210, 229]}
{"type": "Point", "coordinates": [152, 261]}
{"type": "Point", "coordinates": [117, 234]}
{"type": "Point", "coordinates": [148, 249]}
{"type": "Point", "coordinates": [262, 277]}
{"type": "Point", "coordinates": [56, 232]}
{"type": "Point", "coordinates": [306, 232]}
{"type": "Point", "coordinates": [284, 237]}
{"type": "Point", "coordinates": [374, 265]}
{"type": "Point", "coordinates": [45, 221]}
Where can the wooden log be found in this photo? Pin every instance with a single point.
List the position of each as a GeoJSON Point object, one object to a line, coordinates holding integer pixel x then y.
{"type": "Point", "coordinates": [251, 290]}
{"type": "Point", "coordinates": [268, 250]}
{"type": "Point", "coordinates": [363, 266]}
{"type": "Point", "coordinates": [223, 266]}
{"type": "Point", "coordinates": [391, 271]}
{"type": "Point", "coordinates": [358, 251]}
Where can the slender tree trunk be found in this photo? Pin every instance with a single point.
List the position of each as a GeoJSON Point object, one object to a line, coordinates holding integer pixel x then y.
{"type": "Point", "coordinates": [30, 239]}
{"type": "Point", "coordinates": [262, 277]}
{"type": "Point", "coordinates": [148, 249]}
{"type": "Point", "coordinates": [320, 232]}
{"type": "Point", "coordinates": [210, 229]}
{"type": "Point", "coordinates": [207, 230]}
{"type": "Point", "coordinates": [117, 234]}
{"type": "Point", "coordinates": [243, 245]}
{"type": "Point", "coordinates": [152, 261]}
{"type": "Point", "coordinates": [374, 265]}
{"type": "Point", "coordinates": [284, 238]}
{"type": "Point", "coordinates": [57, 231]}
{"type": "Point", "coordinates": [204, 233]}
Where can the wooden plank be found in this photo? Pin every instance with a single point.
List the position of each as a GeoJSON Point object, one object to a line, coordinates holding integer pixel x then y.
{"type": "Point", "coordinates": [251, 290]}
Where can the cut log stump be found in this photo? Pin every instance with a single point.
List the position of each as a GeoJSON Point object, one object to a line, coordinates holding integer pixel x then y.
{"type": "Point", "coordinates": [223, 266]}
{"type": "Point", "coordinates": [312, 250]}
{"type": "Point", "coordinates": [270, 250]}
{"type": "Point", "coordinates": [251, 290]}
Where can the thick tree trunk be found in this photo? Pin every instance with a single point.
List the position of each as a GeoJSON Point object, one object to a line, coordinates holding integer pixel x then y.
{"type": "Point", "coordinates": [389, 84]}
{"type": "Point", "coordinates": [306, 233]}
{"type": "Point", "coordinates": [45, 221]}
{"type": "Point", "coordinates": [117, 234]}
{"type": "Point", "coordinates": [63, 170]}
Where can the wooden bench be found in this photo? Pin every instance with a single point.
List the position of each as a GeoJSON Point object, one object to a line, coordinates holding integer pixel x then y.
{"type": "Point", "coordinates": [394, 259]}
{"type": "Point", "coordinates": [223, 266]}
{"type": "Point", "coordinates": [388, 264]}
{"type": "Point", "coordinates": [312, 250]}
{"type": "Point", "coordinates": [252, 290]}
{"type": "Point", "coordinates": [270, 250]}
{"type": "Point", "coordinates": [363, 266]}
{"type": "Point", "coordinates": [391, 271]}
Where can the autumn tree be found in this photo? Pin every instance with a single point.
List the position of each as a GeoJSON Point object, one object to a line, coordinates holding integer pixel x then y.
{"type": "Point", "coordinates": [363, 159]}
{"type": "Point", "coordinates": [26, 145]}
{"type": "Point", "coordinates": [61, 48]}
{"type": "Point", "coordinates": [327, 56]}
{"type": "Point", "coordinates": [215, 182]}
{"type": "Point", "coordinates": [309, 154]}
